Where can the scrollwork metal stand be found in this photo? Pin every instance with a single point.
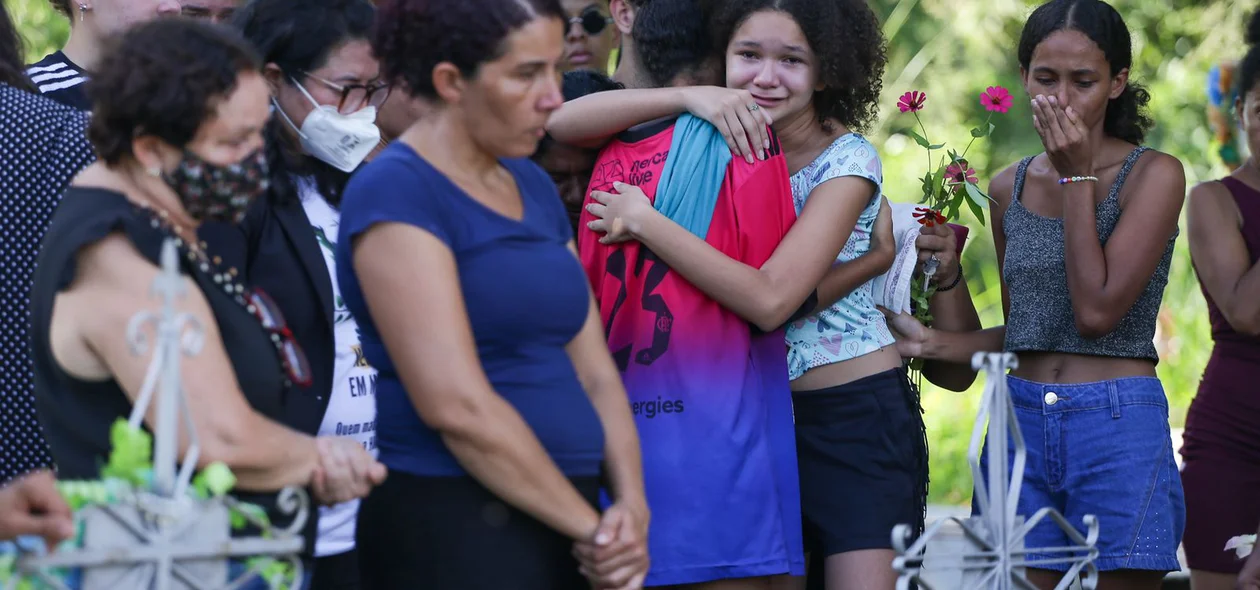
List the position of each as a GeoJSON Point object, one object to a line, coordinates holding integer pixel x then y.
{"type": "Point", "coordinates": [995, 555]}
{"type": "Point", "coordinates": [164, 538]}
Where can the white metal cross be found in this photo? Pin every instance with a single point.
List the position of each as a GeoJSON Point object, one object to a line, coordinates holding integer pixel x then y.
{"type": "Point", "coordinates": [163, 539]}
{"type": "Point", "coordinates": [996, 554]}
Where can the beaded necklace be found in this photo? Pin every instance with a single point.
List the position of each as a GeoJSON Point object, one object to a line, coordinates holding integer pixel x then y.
{"type": "Point", "coordinates": [210, 268]}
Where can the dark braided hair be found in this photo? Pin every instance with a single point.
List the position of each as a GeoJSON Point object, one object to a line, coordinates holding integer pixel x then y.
{"type": "Point", "coordinates": [848, 42]}
{"type": "Point", "coordinates": [1126, 116]}
{"type": "Point", "coordinates": [298, 36]}
{"type": "Point", "coordinates": [671, 39]}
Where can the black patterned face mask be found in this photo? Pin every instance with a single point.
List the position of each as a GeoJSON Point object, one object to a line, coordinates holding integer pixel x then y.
{"type": "Point", "coordinates": [218, 193]}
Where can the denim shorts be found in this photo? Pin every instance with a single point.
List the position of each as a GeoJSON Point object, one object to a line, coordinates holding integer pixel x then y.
{"type": "Point", "coordinates": [1104, 449]}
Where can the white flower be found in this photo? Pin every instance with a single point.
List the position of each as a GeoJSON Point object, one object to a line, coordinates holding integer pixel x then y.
{"type": "Point", "coordinates": [1241, 545]}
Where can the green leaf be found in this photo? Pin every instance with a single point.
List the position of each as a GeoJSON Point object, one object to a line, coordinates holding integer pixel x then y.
{"type": "Point", "coordinates": [977, 132]}
{"type": "Point", "coordinates": [919, 139]}
{"type": "Point", "coordinates": [241, 511]}
{"type": "Point", "coordinates": [215, 480]}
{"type": "Point", "coordinates": [976, 210]}
{"type": "Point", "coordinates": [927, 187]}
{"type": "Point", "coordinates": [977, 195]}
{"type": "Point", "coordinates": [131, 459]}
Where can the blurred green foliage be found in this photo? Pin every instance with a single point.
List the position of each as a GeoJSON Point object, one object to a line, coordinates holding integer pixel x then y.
{"type": "Point", "coordinates": [953, 50]}
{"type": "Point", "coordinates": [43, 29]}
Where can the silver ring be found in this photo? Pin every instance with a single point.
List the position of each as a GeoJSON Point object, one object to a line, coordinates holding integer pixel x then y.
{"type": "Point", "coordinates": [754, 107]}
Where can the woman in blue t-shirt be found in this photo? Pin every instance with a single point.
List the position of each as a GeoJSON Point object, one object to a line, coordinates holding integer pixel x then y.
{"type": "Point", "coordinates": [499, 407]}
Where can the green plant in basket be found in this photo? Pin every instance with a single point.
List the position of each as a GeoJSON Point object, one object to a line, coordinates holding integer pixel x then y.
{"type": "Point", "coordinates": [949, 183]}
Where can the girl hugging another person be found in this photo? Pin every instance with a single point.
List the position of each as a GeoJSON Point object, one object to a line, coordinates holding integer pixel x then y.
{"type": "Point", "coordinates": [812, 70]}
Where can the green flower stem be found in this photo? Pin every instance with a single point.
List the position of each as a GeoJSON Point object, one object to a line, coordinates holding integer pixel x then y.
{"type": "Point", "coordinates": [973, 139]}
{"type": "Point", "coordinates": [923, 128]}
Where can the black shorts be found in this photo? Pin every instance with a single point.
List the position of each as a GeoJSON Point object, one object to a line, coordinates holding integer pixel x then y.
{"type": "Point", "coordinates": [451, 533]}
{"type": "Point", "coordinates": [862, 452]}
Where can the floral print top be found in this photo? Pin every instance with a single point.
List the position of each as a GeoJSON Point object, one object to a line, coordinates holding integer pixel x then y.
{"type": "Point", "coordinates": [852, 326]}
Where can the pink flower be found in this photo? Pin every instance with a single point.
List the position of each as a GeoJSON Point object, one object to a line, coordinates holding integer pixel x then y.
{"type": "Point", "coordinates": [996, 99]}
{"type": "Point", "coordinates": [960, 172]}
{"type": "Point", "coordinates": [911, 102]}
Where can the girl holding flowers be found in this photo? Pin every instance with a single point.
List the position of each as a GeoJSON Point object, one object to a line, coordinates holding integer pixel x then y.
{"type": "Point", "coordinates": [1084, 234]}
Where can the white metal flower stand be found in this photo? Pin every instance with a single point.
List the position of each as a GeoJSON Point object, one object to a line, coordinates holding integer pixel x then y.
{"type": "Point", "coordinates": [994, 553]}
{"type": "Point", "coordinates": [164, 538]}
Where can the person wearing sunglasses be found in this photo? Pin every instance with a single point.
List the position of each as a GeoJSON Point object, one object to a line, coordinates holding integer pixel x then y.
{"type": "Point", "coordinates": [179, 110]}
{"type": "Point", "coordinates": [325, 95]}
{"type": "Point", "coordinates": [214, 11]}
{"type": "Point", "coordinates": [589, 38]}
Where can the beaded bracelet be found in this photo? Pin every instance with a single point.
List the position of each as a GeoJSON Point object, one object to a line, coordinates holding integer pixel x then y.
{"type": "Point", "coordinates": [957, 278]}
{"type": "Point", "coordinates": [1072, 179]}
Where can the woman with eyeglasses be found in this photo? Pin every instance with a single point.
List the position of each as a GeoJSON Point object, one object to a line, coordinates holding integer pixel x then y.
{"type": "Point", "coordinates": [179, 112]}
{"type": "Point", "coordinates": [325, 91]}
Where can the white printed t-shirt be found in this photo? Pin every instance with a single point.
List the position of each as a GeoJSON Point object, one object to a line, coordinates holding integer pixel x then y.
{"type": "Point", "coordinates": [352, 403]}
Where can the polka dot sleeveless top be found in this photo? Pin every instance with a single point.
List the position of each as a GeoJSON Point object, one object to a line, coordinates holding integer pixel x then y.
{"type": "Point", "coordinates": [43, 145]}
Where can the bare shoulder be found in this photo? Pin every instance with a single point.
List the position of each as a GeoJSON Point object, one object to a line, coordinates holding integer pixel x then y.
{"type": "Point", "coordinates": [1204, 193]}
{"type": "Point", "coordinates": [1002, 186]}
{"type": "Point", "coordinates": [1211, 201]}
{"type": "Point", "coordinates": [113, 281]}
{"type": "Point", "coordinates": [1160, 166]}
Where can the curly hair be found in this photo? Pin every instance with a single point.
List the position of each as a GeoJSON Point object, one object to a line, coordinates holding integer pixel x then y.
{"type": "Point", "coordinates": [1126, 117]}
{"type": "Point", "coordinates": [848, 44]}
{"type": "Point", "coordinates": [414, 36]}
{"type": "Point", "coordinates": [163, 78]}
{"type": "Point", "coordinates": [1249, 67]}
{"type": "Point", "coordinates": [298, 36]}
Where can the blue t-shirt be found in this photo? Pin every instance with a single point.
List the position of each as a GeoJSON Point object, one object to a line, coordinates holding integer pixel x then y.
{"type": "Point", "coordinates": [524, 291]}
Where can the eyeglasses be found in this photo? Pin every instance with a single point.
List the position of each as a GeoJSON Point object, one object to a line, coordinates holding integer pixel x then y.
{"type": "Point", "coordinates": [592, 21]}
{"type": "Point", "coordinates": [355, 96]}
{"type": "Point", "coordinates": [296, 367]}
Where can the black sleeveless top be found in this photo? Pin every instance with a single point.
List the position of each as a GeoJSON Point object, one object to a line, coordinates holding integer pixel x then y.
{"type": "Point", "coordinates": [1041, 317]}
{"type": "Point", "coordinates": [77, 415]}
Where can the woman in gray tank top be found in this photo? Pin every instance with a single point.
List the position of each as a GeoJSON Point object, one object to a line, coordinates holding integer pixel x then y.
{"type": "Point", "coordinates": [1084, 235]}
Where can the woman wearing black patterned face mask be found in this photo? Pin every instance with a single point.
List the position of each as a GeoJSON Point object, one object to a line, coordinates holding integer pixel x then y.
{"type": "Point", "coordinates": [180, 108]}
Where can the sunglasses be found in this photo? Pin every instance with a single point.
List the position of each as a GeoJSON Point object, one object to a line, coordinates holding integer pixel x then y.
{"type": "Point", "coordinates": [355, 96]}
{"type": "Point", "coordinates": [591, 20]}
{"type": "Point", "coordinates": [296, 367]}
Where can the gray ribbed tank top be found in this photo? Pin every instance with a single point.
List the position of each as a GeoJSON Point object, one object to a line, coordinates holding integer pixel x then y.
{"type": "Point", "coordinates": [1041, 317]}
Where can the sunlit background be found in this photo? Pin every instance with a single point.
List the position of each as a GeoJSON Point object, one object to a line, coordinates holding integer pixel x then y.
{"type": "Point", "coordinates": [952, 50]}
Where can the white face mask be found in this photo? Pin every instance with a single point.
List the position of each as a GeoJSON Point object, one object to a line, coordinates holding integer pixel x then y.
{"type": "Point", "coordinates": [341, 141]}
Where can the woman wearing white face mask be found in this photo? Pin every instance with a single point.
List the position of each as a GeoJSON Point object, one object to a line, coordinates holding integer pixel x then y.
{"type": "Point", "coordinates": [325, 93]}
